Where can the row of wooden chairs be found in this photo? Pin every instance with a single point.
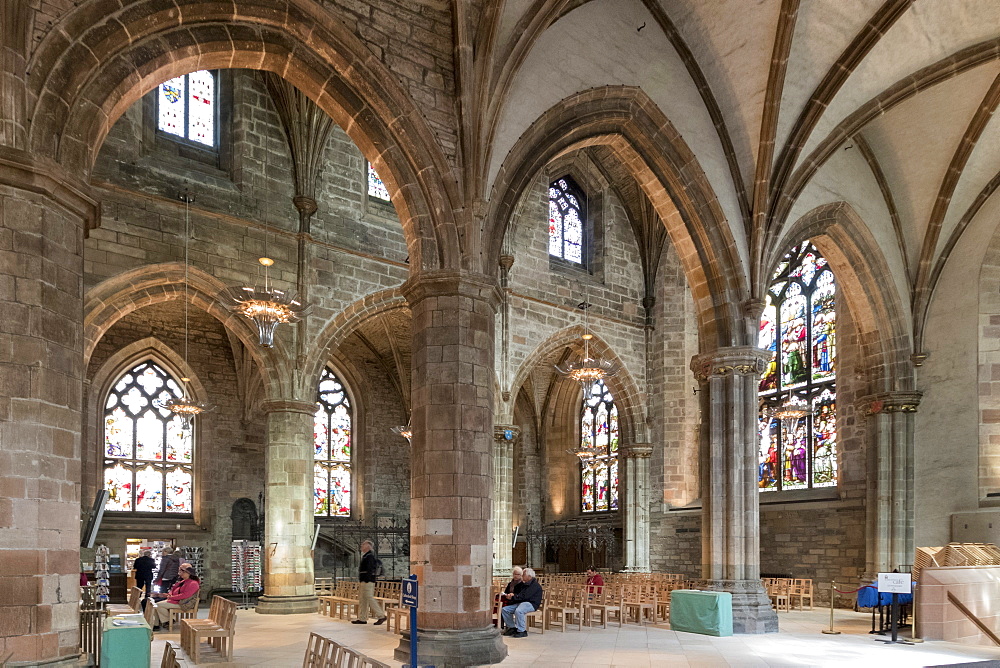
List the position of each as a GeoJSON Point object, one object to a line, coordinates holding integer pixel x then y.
{"type": "Point", "coordinates": [219, 629]}
{"type": "Point", "coordinates": [785, 592]}
{"type": "Point", "coordinates": [322, 652]}
{"type": "Point", "coordinates": [566, 605]}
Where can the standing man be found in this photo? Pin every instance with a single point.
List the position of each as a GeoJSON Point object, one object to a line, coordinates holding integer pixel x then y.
{"type": "Point", "coordinates": [367, 574]}
{"type": "Point", "coordinates": [144, 567]}
{"type": "Point", "coordinates": [170, 563]}
{"type": "Point", "coordinates": [527, 600]}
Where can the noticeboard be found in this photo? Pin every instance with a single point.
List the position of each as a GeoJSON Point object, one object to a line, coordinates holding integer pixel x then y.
{"type": "Point", "coordinates": [894, 583]}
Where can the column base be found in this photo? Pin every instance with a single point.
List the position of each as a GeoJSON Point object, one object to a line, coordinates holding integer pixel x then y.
{"type": "Point", "coordinates": [454, 649]}
{"type": "Point", "coordinates": [752, 611]}
{"type": "Point", "coordinates": [75, 661]}
{"type": "Point", "coordinates": [286, 605]}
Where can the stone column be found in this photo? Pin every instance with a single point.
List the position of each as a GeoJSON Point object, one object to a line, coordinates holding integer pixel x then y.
{"type": "Point", "coordinates": [504, 438]}
{"type": "Point", "coordinates": [889, 421]}
{"type": "Point", "coordinates": [730, 518]}
{"type": "Point", "coordinates": [42, 223]}
{"type": "Point", "coordinates": [288, 510]}
{"type": "Point", "coordinates": [636, 479]}
{"type": "Point", "coordinates": [451, 539]}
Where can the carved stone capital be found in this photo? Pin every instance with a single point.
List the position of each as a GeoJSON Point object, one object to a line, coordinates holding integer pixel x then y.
{"type": "Point", "coordinates": [289, 406]}
{"type": "Point", "coordinates": [638, 451]}
{"type": "Point", "coordinates": [889, 402]}
{"type": "Point", "coordinates": [741, 360]}
{"type": "Point", "coordinates": [448, 283]}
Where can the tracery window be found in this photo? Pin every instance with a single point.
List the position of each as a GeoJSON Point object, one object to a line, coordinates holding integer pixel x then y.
{"type": "Point", "coordinates": [186, 107]}
{"type": "Point", "coordinates": [376, 188]}
{"type": "Point", "coordinates": [148, 451]}
{"type": "Point", "coordinates": [332, 439]}
{"type": "Point", "coordinates": [567, 216]}
{"type": "Point", "coordinates": [799, 327]}
{"type": "Point", "coordinates": [599, 429]}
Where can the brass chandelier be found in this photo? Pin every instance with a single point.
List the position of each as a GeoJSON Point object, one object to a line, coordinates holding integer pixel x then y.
{"type": "Point", "coordinates": [589, 370]}
{"type": "Point", "coordinates": [265, 305]}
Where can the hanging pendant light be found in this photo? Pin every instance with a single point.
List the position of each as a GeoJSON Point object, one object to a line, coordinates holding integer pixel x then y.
{"type": "Point", "coordinates": [185, 406]}
{"type": "Point", "coordinates": [265, 305]}
{"type": "Point", "coordinates": [405, 431]}
{"type": "Point", "coordinates": [589, 370]}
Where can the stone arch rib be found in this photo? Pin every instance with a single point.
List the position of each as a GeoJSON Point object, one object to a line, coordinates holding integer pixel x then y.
{"type": "Point", "coordinates": [626, 120]}
{"type": "Point", "coordinates": [101, 58]}
{"type": "Point", "coordinates": [864, 279]}
{"type": "Point", "coordinates": [113, 299]}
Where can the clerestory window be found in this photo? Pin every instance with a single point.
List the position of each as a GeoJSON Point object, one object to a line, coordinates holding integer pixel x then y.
{"type": "Point", "coordinates": [186, 108]}
{"type": "Point", "coordinates": [567, 220]}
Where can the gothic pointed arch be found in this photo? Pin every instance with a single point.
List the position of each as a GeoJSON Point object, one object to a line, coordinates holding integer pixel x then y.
{"type": "Point", "coordinates": [116, 297]}
{"type": "Point", "coordinates": [101, 58]}
{"type": "Point", "coordinates": [624, 119]}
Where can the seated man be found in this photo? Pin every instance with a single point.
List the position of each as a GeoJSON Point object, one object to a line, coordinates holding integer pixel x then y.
{"type": "Point", "coordinates": [515, 585]}
{"type": "Point", "coordinates": [595, 583]}
{"type": "Point", "coordinates": [528, 599]}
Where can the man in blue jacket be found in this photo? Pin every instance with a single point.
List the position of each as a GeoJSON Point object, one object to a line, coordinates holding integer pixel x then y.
{"type": "Point", "coordinates": [518, 605]}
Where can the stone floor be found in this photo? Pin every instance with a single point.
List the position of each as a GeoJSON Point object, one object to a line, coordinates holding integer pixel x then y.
{"type": "Point", "coordinates": [266, 640]}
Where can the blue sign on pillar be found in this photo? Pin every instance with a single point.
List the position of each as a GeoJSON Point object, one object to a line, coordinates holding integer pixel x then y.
{"type": "Point", "coordinates": [410, 601]}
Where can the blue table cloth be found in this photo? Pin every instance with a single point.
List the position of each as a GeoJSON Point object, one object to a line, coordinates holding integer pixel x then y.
{"type": "Point", "coordinates": [869, 597]}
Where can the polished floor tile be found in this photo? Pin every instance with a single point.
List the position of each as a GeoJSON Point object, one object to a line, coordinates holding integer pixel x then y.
{"type": "Point", "coordinates": [279, 642]}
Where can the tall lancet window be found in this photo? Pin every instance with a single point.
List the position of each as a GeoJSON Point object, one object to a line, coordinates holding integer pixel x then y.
{"type": "Point", "coordinates": [799, 326]}
{"type": "Point", "coordinates": [332, 438]}
{"type": "Point", "coordinates": [599, 430]}
{"type": "Point", "coordinates": [148, 451]}
{"type": "Point", "coordinates": [567, 217]}
{"type": "Point", "coordinates": [186, 108]}
{"type": "Point", "coordinates": [376, 188]}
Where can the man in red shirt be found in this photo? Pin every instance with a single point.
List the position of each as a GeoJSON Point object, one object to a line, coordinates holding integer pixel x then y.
{"type": "Point", "coordinates": [595, 583]}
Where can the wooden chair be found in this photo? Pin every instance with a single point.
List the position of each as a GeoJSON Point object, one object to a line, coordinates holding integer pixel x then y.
{"type": "Point", "coordinates": [219, 629]}
{"type": "Point", "coordinates": [130, 608]}
{"type": "Point", "coordinates": [324, 652]}
{"type": "Point", "coordinates": [169, 659]}
{"type": "Point", "coordinates": [565, 604]}
{"type": "Point", "coordinates": [779, 595]}
{"type": "Point", "coordinates": [536, 619]}
{"type": "Point", "coordinates": [91, 630]}
{"type": "Point", "coordinates": [637, 600]}
{"type": "Point", "coordinates": [601, 606]}
{"type": "Point", "coordinates": [178, 614]}
{"type": "Point", "coordinates": [801, 590]}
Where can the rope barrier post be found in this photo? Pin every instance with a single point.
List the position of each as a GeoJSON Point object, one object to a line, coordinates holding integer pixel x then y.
{"type": "Point", "coordinates": [833, 595]}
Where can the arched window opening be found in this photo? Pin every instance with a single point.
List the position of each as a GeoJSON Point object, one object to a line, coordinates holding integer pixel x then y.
{"type": "Point", "coordinates": [186, 107]}
{"type": "Point", "coordinates": [332, 439]}
{"type": "Point", "coordinates": [599, 430]}
{"type": "Point", "coordinates": [376, 188]}
{"type": "Point", "coordinates": [799, 327]}
{"type": "Point", "coordinates": [148, 451]}
{"type": "Point", "coordinates": [567, 217]}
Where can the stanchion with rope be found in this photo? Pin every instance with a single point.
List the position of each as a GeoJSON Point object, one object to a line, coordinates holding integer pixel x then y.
{"type": "Point", "coordinates": [833, 595]}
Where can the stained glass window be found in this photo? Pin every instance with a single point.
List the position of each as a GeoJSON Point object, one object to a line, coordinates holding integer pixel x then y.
{"type": "Point", "coordinates": [376, 188]}
{"type": "Point", "coordinates": [799, 327]}
{"type": "Point", "coordinates": [566, 220]}
{"type": "Point", "coordinates": [148, 451]}
{"type": "Point", "coordinates": [186, 107]}
{"type": "Point", "coordinates": [599, 475]}
{"type": "Point", "coordinates": [332, 455]}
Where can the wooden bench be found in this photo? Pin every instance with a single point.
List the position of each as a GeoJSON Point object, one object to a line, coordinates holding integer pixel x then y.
{"type": "Point", "coordinates": [322, 652]}
{"type": "Point", "coordinates": [603, 605]}
{"type": "Point", "coordinates": [219, 629]}
{"type": "Point", "coordinates": [343, 602]}
{"type": "Point", "coordinates": [169, 659]}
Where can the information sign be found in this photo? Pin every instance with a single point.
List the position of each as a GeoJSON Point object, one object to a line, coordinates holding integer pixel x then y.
{"type": "Point", "coordinates": [894, 583]}
{"type": "Point", "coordinates": [410, 591]}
